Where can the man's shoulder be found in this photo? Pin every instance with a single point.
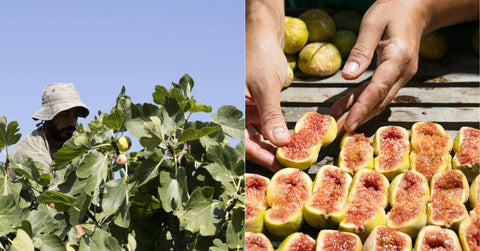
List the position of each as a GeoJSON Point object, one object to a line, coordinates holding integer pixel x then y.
{"type": "Point", "coordinates": [34, 141]}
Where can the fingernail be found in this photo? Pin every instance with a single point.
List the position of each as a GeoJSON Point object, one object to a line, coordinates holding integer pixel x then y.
{"type": "Point", "coordinates": [280, 133]}
{"type": "Point", "coordinates": [354, 126]}
{"type": "Point", "coordinates": [350, 68]}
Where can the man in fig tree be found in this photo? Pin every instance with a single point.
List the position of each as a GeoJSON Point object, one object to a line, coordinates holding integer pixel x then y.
{"type": "Point", "coordinates": [61, 107]}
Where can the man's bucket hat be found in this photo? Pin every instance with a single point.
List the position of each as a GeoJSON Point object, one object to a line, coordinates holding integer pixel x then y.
{"type": "Point", "coordinates": [59, 97]}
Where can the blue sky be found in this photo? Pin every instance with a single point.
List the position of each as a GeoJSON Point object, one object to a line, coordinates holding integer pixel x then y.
{"type": "Point", "coordinates": [101, 45]}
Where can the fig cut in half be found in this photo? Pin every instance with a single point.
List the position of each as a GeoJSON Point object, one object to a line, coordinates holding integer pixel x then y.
{"type": "Point", "coordinates": [386, 238]}
{"type": "Point", "coordinates": [437, 238]}
{"type": "Point", "coordinates": [431, 146]}
{"type": "Point", "coordinates": [392, 149]}
{"type": "Point", "coordinates": [297, 241]}
{"type": "Point", "coordinates": [287, 192]}
{"type": "Point", "coordinates": [408, 196]}
{"type": "Point", "coordinates": [255, 201]}
{"type": "Point", "coordinates": [449, 193]}
{"type": "Point", "coordinates": [366, 203]}
{"type": "Point", "coordinates": [257, 242]}
{"type": "Point", "coordinates": [312, 131]}
{"type": "Point", "coordinates": [475, 196]}
{"type": "Point", "coordinates": [356, 152]}
{"type": "Point", "coordinates": [467, 152]}
{"type": "Point", "coordinates": [335, 240]}
{"type": "Point", "coordinates": [326, 206]}
{"type": "Point", "coordinates": [469, 233]}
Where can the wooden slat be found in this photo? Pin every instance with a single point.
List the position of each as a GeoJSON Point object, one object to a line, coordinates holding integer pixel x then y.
{"type": "Point", "coordinates": [428, 75]}
{"type": "Point", "coordinates": [440, 95]}
{"type": "Point", "coordinates": [402, 114]}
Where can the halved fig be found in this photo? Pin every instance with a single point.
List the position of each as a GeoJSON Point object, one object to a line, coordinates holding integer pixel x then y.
{"type": "Point", "coordinates": [386, 238]}
{"type": "Point", "coordinates": [431, 146]}
{"type": "Point", "coordinates": [475, 196]}
{"type": "Point", "coordinates": [335, 240]}
{"type": "Point", "coordinates": [467, 152]}
{"type": "Point", "coordinates": [257, 242]}
{"type": "Point", "coordinates": [469, 233]}
{"type": "Point", "coordinates": [366, 203]}
{"type": "Point", "coordinates": [255, 201]}
{"type": "Point", "coordinates": [437, 238]}
{"type": "Point", "coordinates": [312, 131]}
{"type": "Point", "coordinates": [297, 241]}
{"type": "Point", "coordinates": [392, 148]}
{"type": "Point", "coordinates": [287, 192]}
{"type": "Point", "coordinates": [326, 206]}
{"type": "Point", "coordinates": [356, 152]}
{"type": "Point", "coordinates": [449, 192]}
{"type": "Point", "coordinates": [408, 196]}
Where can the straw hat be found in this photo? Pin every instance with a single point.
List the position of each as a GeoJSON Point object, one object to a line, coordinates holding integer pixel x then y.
{"type": "Point", "coordinates": [59, 97]}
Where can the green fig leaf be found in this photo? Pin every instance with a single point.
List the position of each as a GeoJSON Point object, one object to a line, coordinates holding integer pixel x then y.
{"type": "Point", "coordinates": [202, 213]}
{"type": "Point", "coordinates": [230, 119]}
{"type": "Point", "coordinates": [8, 133]}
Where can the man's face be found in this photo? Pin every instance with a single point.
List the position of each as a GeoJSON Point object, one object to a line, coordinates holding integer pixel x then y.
{"type": "Point", "coordinates": [62, 126]}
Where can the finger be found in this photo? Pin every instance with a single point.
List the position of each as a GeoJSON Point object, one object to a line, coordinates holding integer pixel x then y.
{"type": "Point", "coordinates": [273, 123]}
{"type": "Point", "coordinates": [345, 102]}
{"type": "Point", "coordinates": [254, 152]}
{"type": "Point", "coordinates": [340, 125]}
{"type": "Point", "coordinates": [370, 101]}
{"type": "Point", "coordinates": [362, 52]}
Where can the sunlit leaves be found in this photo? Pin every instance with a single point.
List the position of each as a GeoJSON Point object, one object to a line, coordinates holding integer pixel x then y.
{"type": "Point", "coordinates": [8, 132]}
{"type": "Point", "coordinates": [62, 202]}
{"type": "Point", "coordinates": [230, 118]}
{"type": "Point", "coordinates": [183, 187]}
{"type": "Point", "coordinates": [173, 190]}
{"type": "Point", "coordinates": [202, 213]}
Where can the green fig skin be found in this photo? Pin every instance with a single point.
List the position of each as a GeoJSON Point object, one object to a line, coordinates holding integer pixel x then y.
{"type": "Point", "coordinates": [297, 241]}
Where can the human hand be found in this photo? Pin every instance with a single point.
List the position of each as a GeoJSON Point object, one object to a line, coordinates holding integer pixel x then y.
{"type": "Point", "coordinates": [265, 73]}
{"type": "Point", "coordinates": [393, 29]}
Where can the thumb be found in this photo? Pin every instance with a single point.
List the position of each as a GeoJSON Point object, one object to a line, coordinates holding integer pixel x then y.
{"type": "Point", "coordinates": [273, 123]}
